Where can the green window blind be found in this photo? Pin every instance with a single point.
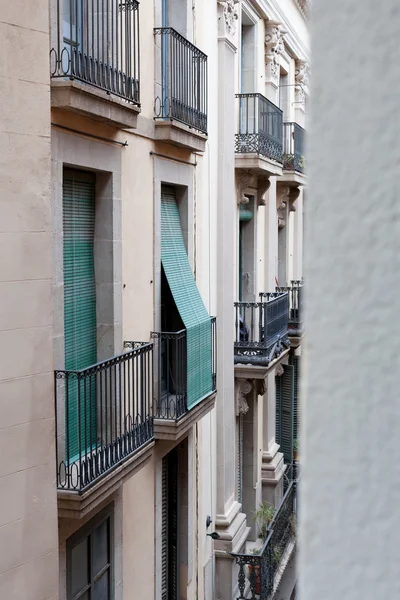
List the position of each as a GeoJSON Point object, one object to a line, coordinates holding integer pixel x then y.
{"type": "Point", "coordinates": [285, 412]}
{"type": "Point", "coordinates": [295, 361]}
{"type": "Point", "coordinates": [187, 299]}
{"type": "Point", "coordinates": [79, 304]}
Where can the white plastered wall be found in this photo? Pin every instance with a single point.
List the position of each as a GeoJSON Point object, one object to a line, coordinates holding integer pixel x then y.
{"type": "Point", "coordinates": [350, 486]}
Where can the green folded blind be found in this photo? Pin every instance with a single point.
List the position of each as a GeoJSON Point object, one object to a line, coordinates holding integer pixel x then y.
{"type": "Point", "coordinates": [187, 299]}
{"type": "Point", "coordinates": [245, 214]}
{"type": "Point", "coordinates": [79, 303]}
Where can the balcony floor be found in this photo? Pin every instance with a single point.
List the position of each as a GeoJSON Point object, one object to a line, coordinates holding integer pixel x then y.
{"type": "Point", "coordinates": [74, 504]}
{"type": "Point", "coordinates": [92, 102]}
{"type": "Point", "coordinates": [173, 430]}
{"type": "Point", "coordinates": [258, 164]}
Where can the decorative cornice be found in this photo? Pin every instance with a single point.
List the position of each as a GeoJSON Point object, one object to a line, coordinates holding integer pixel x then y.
{"type": "Point", "coordinates": [230, 15]}
{"type": "Point", "coordinates": [279, 370]}
{"type": "Point", "coordinates": [304, 7]}
{"type": "Point", "coordinates": [272, 10]}
{"type": "Point", "coordinates": [243, 388]}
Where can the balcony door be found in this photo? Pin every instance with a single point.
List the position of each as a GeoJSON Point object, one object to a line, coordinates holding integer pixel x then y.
{"type": "Point", "coordinates": [72, 28]}
{"type": "Point", "coordinates": [80, 330]}
{"type": "Point", "coordinates": [165, 58]}
{"type": "Point", "coordinates": [174, 523]}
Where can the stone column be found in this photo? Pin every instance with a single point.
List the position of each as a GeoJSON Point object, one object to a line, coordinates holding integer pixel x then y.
{"type": "Point", "coordinates": [272, 468]}
{"type": "Point", "coordinates": [298, 237]}
{"type": "Point", "coordinates": [230, 522]}
{"type": "Point", "coordinates": [247, 408]}
{"type": "Point", "coordinates": [271, 240]}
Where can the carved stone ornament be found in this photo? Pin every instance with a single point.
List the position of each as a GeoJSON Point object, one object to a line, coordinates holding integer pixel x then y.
{"type": "Point", "coordinates": [304, 6]}
{"type": "Point", "coordinates": [243, 388]}
{"type": "Point", "coordinates": [244, 180]}
{"type": "Point", "coordinates": [274, 46]}
{"type": "Point", "coordinates": [278, 371]}
{"type": "Point", "coordinates": [230, 14]}
{"type": "Point", "coordinates": [262, 387]}
{"type": "Point", "coordinates": [301, 80]}
{"type": "Point", "coordinates": [264, 184]}
{"type": "Point", "coordinates": [293, 195]}
{"type": "Point", "coordinates": [282, 196]}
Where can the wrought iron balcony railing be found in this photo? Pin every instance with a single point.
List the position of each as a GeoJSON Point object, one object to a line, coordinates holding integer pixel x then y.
{"type": "Point", "coordinates": [170, 348]}
{"type": "Point", "coordinates": [97, 42]}
{"type": "Point", "coordinates": [182, 92]}
{"type": "Point", "coordinates": [261, 329]}
{"type": "Point", "coordinates": [104, 414]}
{"type": "Point", "coordinates": [259, 127]}
{"type": "Point", "coordinates": [293, 147]}
{"type": "Point", "coordinates": [257, 576]}
{"type": "Point", "coordinates": [295, 292]}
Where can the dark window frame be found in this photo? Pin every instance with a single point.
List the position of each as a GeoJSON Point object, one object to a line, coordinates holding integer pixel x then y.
{"type": "Point", "coordinates": [87, 531]}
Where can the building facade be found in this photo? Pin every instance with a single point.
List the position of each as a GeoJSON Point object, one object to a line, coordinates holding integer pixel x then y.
{"type": "Point", "coordinates": [151, 324]}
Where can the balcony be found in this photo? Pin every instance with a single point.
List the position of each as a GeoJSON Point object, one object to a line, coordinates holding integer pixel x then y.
{"type": "Point", "coordinates": [180, 106]}
{"type": "Point", "coordinates": [104, 427]}
{"type": "Point", "coordinates": [295, 293]}
{"type": "Point", "coordinates": [94, 60]}
{"type": "Point", "coordinates": [260, 573]}
{"type": "Point", "coordinates": [261, 332]}
{"type": "Point", "coordinates": [258, 139]}
{"type": "Point", "coordinates": [172, 415]}
{"type": "Point", "coordinates": [294, 163]}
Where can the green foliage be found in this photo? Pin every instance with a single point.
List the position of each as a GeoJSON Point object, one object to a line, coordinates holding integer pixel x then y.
{"type": "Point", "coordinates": [263, 516]}
{"type": "Point", "coordinates": [288, 161]}
{"type": "Point", "coordinates": [277, 554]}
{"type": "Point", "coordinates": [293, 524]}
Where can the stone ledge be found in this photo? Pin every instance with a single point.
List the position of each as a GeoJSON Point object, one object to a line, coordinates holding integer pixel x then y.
{"type": "Point", "coordinates": [272, 469]}
{"type": "Point", "coordinates": [172, 430]}
{"type": "Point", "coordinates": [258, 164]}
{"type": "Point", "coordinates": [296, 339]}
{"type": "Point", "coordinates": [89, 101]}
{"type": "Point", "coordinates": [233, 531]}
{"type": "Point", "coordinates": [75, 505]}
{"type": "Point", "coordinates": [293, 178]}
{"type": "Point", "coordinates": [248, 371]}
{"type": "Point", "coordinates": [180, 135]}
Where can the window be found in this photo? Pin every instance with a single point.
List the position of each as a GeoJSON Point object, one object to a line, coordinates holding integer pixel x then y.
{"type": "Point", "coordinates": [90, 560]}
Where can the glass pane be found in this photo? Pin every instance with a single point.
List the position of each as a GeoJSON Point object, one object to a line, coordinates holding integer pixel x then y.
{"type": "Point", "coordinates": [102, 587]}
{"type": "Point", "coordinates": [100, 547]}
{"type": "Point", "coordinates": [79, 567]}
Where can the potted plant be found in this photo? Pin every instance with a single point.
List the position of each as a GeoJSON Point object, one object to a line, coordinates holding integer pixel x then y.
{"type": "Point", "coordinates": [277, 555]}
{"type": "Point", "coordinates": [263, 517]}
{"type": "Point", "coordinates": [296, 450]}
{"type": "Point", "coordinates": [293, 525]}
{"type": "Point", "coordinates": [288, 161]}
{"type": "Point", "coordinates": [301, 162]}
{"type": "Point", "coordinates": [257, 572]}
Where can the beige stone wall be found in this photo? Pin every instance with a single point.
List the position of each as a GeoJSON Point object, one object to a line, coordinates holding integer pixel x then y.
{"type": "Point", "coordinates": [28, 517]}
{"type": "Point", "coordinates": [138, 534]}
